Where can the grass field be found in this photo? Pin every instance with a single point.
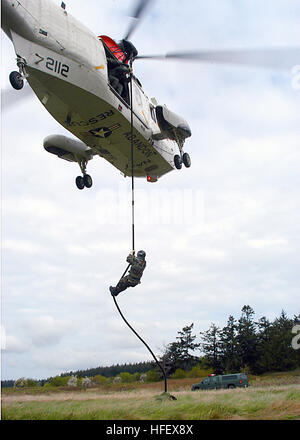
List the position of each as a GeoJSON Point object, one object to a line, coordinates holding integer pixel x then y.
{"type": "Point", "coordinates": [270, 397]}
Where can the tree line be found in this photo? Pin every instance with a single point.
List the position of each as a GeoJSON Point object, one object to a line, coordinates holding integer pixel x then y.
{"type": "Point", "coordinates": [243, 344]}
{"type": "Point", "coordinates": [113, 370]}
{"type": "Point", "coordinates": [106, 372]}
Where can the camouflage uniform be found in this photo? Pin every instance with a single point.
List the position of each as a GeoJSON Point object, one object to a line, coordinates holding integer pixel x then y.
{"type": "Point", "coordinates": [133, 278]}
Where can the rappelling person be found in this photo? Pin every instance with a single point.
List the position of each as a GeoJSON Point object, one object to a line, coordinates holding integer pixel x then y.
{"type": "Point", "coordinates": [138, 265]}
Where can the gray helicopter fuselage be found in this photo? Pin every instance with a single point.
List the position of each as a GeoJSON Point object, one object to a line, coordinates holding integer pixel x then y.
{"type": "Point", "coordinates": [66, 66]}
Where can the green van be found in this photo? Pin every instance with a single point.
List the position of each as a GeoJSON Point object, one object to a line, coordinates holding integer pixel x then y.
{"type": "Point", "coordinates": [213, 382]}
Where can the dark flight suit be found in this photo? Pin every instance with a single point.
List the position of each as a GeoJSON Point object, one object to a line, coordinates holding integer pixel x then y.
{"type": "Point", "coordinates": [134, 276]}
{"type": "Point", "coordinates": [118, 76]}
{"type": "Point", "coordinates": [128, 49]}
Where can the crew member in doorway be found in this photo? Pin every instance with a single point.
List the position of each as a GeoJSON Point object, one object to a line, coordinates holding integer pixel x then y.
{"type": "Point", "coordinates": [128, 49]}
{"type": "Point", "coordinates": [119, 77]}
{"type": "Point", "coordinates": [138, 265]}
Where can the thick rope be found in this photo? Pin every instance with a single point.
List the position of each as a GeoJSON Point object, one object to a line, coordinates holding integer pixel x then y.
{"type": "Point", "coordinates": [133, 238]}
{"type": "Point", "coordinates": [132, 165]}
{"type": "Point", "coordinates": [142, 340]}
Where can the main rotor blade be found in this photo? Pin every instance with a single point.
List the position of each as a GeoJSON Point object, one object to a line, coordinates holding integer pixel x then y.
{"type": "Point", "coordinates": [136, 15]}
{"type": "Point", "coordinates": [279, 58]}
{"type": "Point", "coordinates": [11, 97]}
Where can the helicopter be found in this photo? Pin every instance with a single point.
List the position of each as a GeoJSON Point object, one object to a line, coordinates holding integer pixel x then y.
{"type": "Point", "coordinates": [107, 117]}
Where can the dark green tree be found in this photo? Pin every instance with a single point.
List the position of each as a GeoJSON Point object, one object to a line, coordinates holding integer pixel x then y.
{"type": "Point", "coordinates": [284, 357]}
{"type": "Point", "coordinates": [264, 346]}
{"type": "Point", "coordinates": [186, 345]}
{"type": "Point", "coordinates": [170, 360]}
{"type": "Point", "coordinates": [211, 348]}
{"type": "Point", "coordinates": [247, 340]}
{"type": "Point", "coordinates": [178, 354]}
{"type": "Point", "coordinates": [229, 352]}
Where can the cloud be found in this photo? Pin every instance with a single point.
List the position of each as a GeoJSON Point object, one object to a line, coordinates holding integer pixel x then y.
{"type": "Point", "coordinates": [263, 243]}
{"type": "Point", "coordinates": [219, 235]}
{"type": "Point", "coordinates": [21, 246]}
{"type": "Point", "coordinates": [14, 344]}
{"type": "Point", "coordinates": [47, 331]}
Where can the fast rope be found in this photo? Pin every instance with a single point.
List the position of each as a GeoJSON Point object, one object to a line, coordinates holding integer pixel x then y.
{"type": "Point", "coordinates": [133, 236]}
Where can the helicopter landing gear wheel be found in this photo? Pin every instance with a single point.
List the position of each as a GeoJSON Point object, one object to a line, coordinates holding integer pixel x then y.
{"type": "Point", "coordinates": [186, 160]}
{"type": "Point", "coordinates": [80, 182]}
{"type": "Point", "coordinates": [177, 162]}
{"type": "Point", "coordinates": [85, 180]}
{"type": "Point", "coordinates": [88, 181]}
{"type": "Point", "coordinates": [16, 80]}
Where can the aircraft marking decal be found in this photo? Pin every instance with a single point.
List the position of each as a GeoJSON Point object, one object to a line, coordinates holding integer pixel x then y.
{"type": "Point", "coordinates": [143, 148]}
{"type": "Point", "coordinates": [57, 67]}
{"type": "Point", "coordinates": [93, 120]}
{"type": "Point", "coordinates": [104, 132]}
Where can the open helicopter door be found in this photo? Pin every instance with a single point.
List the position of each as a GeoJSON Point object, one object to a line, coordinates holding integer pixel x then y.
{"type": "Point", "coordinates": [113, 47]}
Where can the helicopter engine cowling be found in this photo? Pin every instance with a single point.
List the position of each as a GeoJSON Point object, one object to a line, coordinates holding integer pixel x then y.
{"type": "Point", "coordinates": [172, 125]}
{"type": "Point", "coordinates": [67, 148]}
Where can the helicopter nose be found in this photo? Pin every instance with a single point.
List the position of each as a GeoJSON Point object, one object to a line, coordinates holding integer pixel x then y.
{"type": "Point", "coordinates": [13, 19]}
{"type": "Point", "coordinates": [6, 7]}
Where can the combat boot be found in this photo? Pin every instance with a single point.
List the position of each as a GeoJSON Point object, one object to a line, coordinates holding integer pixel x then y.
{"type": "Point", "coordinates": [113, 291]}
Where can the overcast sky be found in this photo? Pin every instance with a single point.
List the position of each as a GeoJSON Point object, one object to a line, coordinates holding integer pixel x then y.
{"type": "Point", "coordinates": [219, 235]}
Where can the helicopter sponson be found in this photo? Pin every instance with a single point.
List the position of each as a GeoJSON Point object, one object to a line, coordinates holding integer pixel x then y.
{"type": "Point", "coordinates": [67, 148]}
{"type": "Point", "coordinates": [172, 126]}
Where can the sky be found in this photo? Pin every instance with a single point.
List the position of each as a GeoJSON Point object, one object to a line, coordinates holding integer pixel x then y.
{"type": "Point", "coordinates": [220, 235]}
